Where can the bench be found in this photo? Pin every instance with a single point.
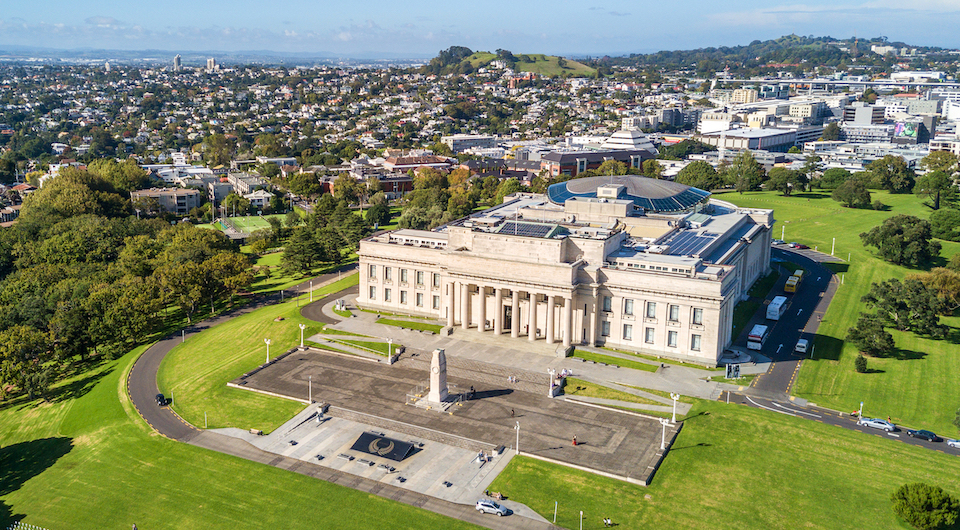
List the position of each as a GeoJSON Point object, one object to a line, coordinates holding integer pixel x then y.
{"type": "Point", "coordinates": [345, 456]}
{"type": "Point", "coordinates": [499, 450]}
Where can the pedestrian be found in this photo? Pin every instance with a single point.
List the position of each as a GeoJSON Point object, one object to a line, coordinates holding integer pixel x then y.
{"type": "Point", "coordinates": [605, 522]}
{"type": "Point", "coordinates": [574, 440]}
{"type": "Point", "coordinates": [889, 420]}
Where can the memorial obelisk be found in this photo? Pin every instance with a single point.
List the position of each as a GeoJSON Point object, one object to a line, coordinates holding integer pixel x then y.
{"type": "Point", "coordinates": [438, 377]}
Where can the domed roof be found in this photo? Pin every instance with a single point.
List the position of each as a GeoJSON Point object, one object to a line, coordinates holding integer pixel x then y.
{"type": "Point", "coordinates": [653, 195]}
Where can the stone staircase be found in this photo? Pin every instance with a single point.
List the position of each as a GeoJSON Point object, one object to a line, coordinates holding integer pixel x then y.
{"type": "Point", "coordinates": [408, 429]}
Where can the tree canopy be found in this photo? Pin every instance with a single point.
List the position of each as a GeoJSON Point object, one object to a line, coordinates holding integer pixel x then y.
{"type": "Point", "coordinates": [903, 240]}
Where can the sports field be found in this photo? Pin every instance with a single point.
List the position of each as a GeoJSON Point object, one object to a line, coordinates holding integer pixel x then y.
{"type": "Point", "coordinates": [252, 223]}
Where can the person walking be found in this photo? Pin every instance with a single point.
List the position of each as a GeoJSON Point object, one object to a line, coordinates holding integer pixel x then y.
{"type": "Point", "coordinates": [574, 440]}
{"type": "Point", "coordinates": [512, 413]}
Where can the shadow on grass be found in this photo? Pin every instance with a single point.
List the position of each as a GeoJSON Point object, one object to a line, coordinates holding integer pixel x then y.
{"type": "Point", "coordinates": [694, 446]}
{"type": "Point", "coordinates": [78, 387]}
{"type": "Point", "coordinates": [812, 195]}
{"type": "Point", "coordinates": [874, 371]}
{"type": "Point", "coordinates": [902, 355]}
{"type": "Point", "coordinates": [22, 461]}
{"type": "Point", "coordinates": [835, 267]}
{"type": "Point", "coordinates": [827, 348]}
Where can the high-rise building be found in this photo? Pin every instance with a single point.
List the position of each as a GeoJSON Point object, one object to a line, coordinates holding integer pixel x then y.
{"type": "Point", "coordinates": [211, 64]}
{"type": "Point", "coordinates": [176, 63]}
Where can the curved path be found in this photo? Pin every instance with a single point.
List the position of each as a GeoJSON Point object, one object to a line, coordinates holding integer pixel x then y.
{"type": "Point", "coordinates": [142, 389]}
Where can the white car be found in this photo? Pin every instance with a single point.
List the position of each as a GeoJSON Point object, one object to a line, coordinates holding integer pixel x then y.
{"type": "Point", "coordinates": [877, 423]}
{"type": "Point", "coordinates": [954, 443]}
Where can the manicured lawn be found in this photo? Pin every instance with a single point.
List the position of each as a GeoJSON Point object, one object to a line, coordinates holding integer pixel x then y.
{"type": "Point", "coordinates": [916, 385]}
{"type": "Point", "coordinates": [608, 359]}
{"type": "Point", "coordinates": [278, 279]}
{"type": "Point", "coordinates": [196, 373]}
{"type": "Point", "coordinates": [734, 467]}
{"type": "Point", "coordinates": [407, 324]}
{"type": "Point", "coordinates": [86, 460]}
{"type": "Point", "coordinates": [664, 360]}
{"type": "Point", "coordinates": [579, 387]}
{"type": "Point", "coordinates": [378, 347]}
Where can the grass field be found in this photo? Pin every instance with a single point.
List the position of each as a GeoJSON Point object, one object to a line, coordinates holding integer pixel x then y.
{"type": "Point", "coordinates": [734, 467]}
{"type": "Point", "coordinates": [86, 460]}
{"type": "Point", "coordinates": [538, 63]}
{"type": "Point", "coordinates": [609, 359]}
{"type": "Point", "coordinates": [196, 372]}
{"type": "Point", "coordinates": [579, 387]}
{"type": "Point", "coordinates": [916, 385]}
{"type": "Point", "coordinates": [408, 324]}
{"type": "Point", "coordinates": [252, 223]}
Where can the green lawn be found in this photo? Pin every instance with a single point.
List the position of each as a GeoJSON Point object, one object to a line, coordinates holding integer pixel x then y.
{"type": "Point", "coordinates": [408, 324]}
{"type": "Point", "coordinates": [278, 279]}
{"type": "Point", "coordinates": [734, 467]}
{"type": "Point", "coordinates": [196, 373]}
{"type": "Point", "coordinates": [915, 386]}
{"type": "Point", "coordinates": [579, 387]}
{"type": "Point", "coordinates": [608, 359]}
{"type": "Point", "coordinates": [86, 460]}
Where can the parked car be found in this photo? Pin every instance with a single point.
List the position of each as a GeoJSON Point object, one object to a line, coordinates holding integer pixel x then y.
{"type": "Point", "coordinates": [777, 241]}
{"type": "Point", "coordinates": [489, 506]}
{"type": "Point", "coordinates": [161, 400]}
{"type": "Point", "coordinates": [877, 423]}
{"type": "Point", "coordinates": [801, 246]}
{"type": "Point", "coordinates": [924, 435]}
{"type": "Point", "coordinates": [954, 443]}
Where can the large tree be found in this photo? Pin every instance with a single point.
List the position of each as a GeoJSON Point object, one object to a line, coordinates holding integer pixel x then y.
{"type": "Point", "coordinates": [786, 181]}
{"type": "Point", "coordinates": [937, 186]}
{"type": "Point", "coordinates": [925, 506]}
{"type": "Point", "coordinates": [24, 354]}
{"type": "Point", "coordinates": [891, 173]}
{"type": "Point", "coordinates": [744, 172]}
{"type": "Point", "coordinates": [833, 178]}
{"type": "Point", "coordinates": [852, 193]}
{"type": "Point", "coordinates": [944, 161]}
{"type": "Point", "coordinates": [700, 174]}
{"type": "Point", "coordinates": [946, 224]}
{"type": "Point", "coordinates": [906, 306]}
{"type": "Point", "coordinates": [869, 336]}
{"type": "Point", "coordinates": [903, 240]}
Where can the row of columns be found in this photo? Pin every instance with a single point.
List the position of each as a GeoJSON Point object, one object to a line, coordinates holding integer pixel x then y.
{"type": "Point", "coordinates": [464, 298]}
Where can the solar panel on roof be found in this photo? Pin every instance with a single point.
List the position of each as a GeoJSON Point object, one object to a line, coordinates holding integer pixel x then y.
{"type": "Point", "coordinates": [525, 229]}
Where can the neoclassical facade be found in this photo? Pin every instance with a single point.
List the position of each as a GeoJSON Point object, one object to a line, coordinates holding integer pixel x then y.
{"type": "Point", "coordinates": [631, 262]}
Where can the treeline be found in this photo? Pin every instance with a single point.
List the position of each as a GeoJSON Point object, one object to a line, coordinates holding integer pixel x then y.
{"type": "Point", "coordinates": [81, 277]}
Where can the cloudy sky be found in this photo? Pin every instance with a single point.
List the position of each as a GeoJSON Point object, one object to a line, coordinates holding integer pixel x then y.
{"type": "Point", "coordinates": [422, 27]}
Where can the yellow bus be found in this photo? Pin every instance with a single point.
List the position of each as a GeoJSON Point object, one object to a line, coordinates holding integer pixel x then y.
{"type": "Point", "coordinates": [793, 282]}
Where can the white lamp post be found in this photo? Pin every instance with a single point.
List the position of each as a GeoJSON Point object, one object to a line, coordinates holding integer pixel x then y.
{"type": "Point", "coordinates": [581, 519]}
{"type": "Point", "coordinates": [310, 386]}
{"type": "Point", "coordinates": [663, 436]}
{"type": "Point", "coordinates": [302, 327]}
{"type": "Point", "coordinates": [311, 291]}
{"type": "Point", "coordinates": [267, 342]}
{"type": "Point", "coordinates": [518, 436]}
{"type": "Point", "coordinates": [551, 372]}
{"type": "Point", "coordinates": [675, 398]}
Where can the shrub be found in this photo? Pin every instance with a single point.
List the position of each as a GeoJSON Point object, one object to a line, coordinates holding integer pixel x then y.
{"type": "Point", "coordinates": [925, 506]}
{"type": "Point", "coordinates": [860, 363]}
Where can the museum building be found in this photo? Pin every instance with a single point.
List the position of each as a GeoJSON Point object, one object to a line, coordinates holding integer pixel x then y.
{"type": "Point", "coordinates": [630, 262]}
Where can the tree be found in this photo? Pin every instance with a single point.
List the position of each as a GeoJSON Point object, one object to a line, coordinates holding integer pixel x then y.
{"type": "Point", "coordinates": [869, 336]}
{"type": "Point", "coordinates": [292, 219]}
{"type": "Point", "coordinates": [301, 252]}
{"type": "Point", "coordinates": [700, 174]}
{"type": "Point", "coordinates": [834, 177]}
{"type": "Point", "coordinates": [945, 224]}
{"type": "Point", "coordinates": [378, 215]}
{"type": "Point", "coordinates": [925, 506]}
{"type": "Point", "coordinates": [347, 188]}
{"type": "Point", "coordinates": [126, 176]}
{"type": "Point", "coordinates": [24, 353]}
{"type": "Point", "coordinates": [906, 306]}
{"type": "Point", "coordinates": [946, 283]}
{"type": "Point", "coordinates": [612, 167]}
{"type": "Point", "coordinates": [831, 132]}
{"type": "Point", "coordinates": [785, 180]}
{"type": "Point", "coordinates": [508, 187]}
{"type": "Point", "coordinates": [852, 193]}
{"type": "Point", "coordinates": [234, 203]}
{"type": "Point", "coordinates": [744, 172]}
{"type": "Point", "coordinates": [903, 240]}
{"type": "Point", "coordinates": [944, 161]}
{"type": "Point", "coordinates": [892, 174]}
{"type": "Point", "coordinates": [936, 185]}
{"type": "Point", "coordinates": [652, 169]}
{"type": "Point", "coordinates": [860, 364]}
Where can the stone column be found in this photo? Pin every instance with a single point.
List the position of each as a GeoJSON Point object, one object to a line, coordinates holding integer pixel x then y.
{"type": "Point", "coordinates": [532, 334]}
{"type": "Point", "coordinates": [464, 305]}
{"type": "Point", "coordinates": [498, 311]}
{"type": "Point", "coordinates": [451, 307]}
{"type": "Point", "coordinates": [567, 321]}
{"type": "Point", "coordinates": [482, 309]}
{"type": "Point", "coordinates": [550, 318]}
{"type": "Point", "coordinates": [515, 314]}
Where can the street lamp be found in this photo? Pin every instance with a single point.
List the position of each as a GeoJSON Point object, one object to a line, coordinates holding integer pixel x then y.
{"type": "Point", "coordinates": [310, 386]}
{"type": "Point", "coordinates": [267, 342]}
{"type": "Point", "coordinates": [663, 436]}
{"type": "Point", "coordinates": [674, 397]}
{"type": "Point", "coordinates": [551, 372]}
{"type": "Point", "coordinates": [518, 436]}
{"type": "Point", "coordinates": [311, 291]}
{"type": "Point", "coordinates": [302, 327]}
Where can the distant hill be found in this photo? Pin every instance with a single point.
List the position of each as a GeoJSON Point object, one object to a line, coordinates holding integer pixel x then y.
{"type": "Point", "coordinates": [458, 59]}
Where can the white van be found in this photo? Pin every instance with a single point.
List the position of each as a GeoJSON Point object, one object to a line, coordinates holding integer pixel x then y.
{"type": "Point", "coordinates": [801, 346]}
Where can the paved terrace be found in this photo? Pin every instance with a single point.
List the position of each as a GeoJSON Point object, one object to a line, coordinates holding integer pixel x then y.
{"type": "Point", "coordinates": [619, 444]}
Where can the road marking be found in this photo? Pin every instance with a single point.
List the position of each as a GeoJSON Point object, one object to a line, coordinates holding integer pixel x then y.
{"type": "Point", "coordinates": [801, 311]}
{"type": "Point", "coordinates": [775, 404]}
{"type": "Point", "coordinates": [768, 408]}
{"type": "Point", "coordinates": [778, 348]}
{"type": "Point", "coordinates": [894, 435]}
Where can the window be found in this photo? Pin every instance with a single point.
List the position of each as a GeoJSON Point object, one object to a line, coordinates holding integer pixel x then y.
{"type": "Point", "coordinates": [674, 313]}
{"type": "Point", "coordinates": [672, 339]}
{"type": "Point", "coordinates": [649, 334]}
{"type": "Point", "coordinates": [419, 277]}
{"type": "Point", "coordinates": [419, 299]}
{"type": "Point", "coordinates": [627, 332]}
{"type": "Point", "coordinates": [698, 316]}
{"type": "Point", "coordinates": [436, 280]}
{"type": "Point", "coordinates": [695, 342]}
{"type": "Point", "coordinates": [373, 272]}
{"type": "Point", "coordinates": [605, 329]}
{"type": "Point", "coordinates": [373, 292]}
{"type": "Point", "coordinates": [436, 302]}
{"type": "Point", "coordinates": [403, 297]}
{"type": "Point", "coordinates": [628, 307]}
{"type": "Point", "coordinates": [386, 295]}
{"type": "Point", "coordinates": [403, 275]}
{"type": "Point", "coordinates": [387, 273]}
{"type": "Point", "coordinates": [651, 310]}
{"type": "Point", "coordinates": [607, 303]}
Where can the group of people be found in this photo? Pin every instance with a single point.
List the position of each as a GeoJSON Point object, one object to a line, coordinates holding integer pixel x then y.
{"type": "Point", "coordinates": [512, 379]}
{"type": "Point", "coordinates": [607, 521]}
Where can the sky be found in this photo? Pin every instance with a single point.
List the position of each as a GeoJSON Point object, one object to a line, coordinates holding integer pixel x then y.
{"type": "Point", "coordinates": [421, 28]}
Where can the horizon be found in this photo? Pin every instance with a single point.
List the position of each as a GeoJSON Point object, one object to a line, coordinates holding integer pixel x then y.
{"type": "Point", "coordinates": [418, 30]}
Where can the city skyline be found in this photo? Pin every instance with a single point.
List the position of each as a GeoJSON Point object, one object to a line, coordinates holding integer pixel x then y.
{"type": "Point", "coordinates": [421, 29]}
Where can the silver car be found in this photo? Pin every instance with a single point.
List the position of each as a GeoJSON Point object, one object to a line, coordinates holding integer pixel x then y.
{"type": "Point", "coordinates": [488, 506]}
{"type": "Point", "coordinates": [954, 443]}
{"type": "Point", "coordinates": [877, 423]}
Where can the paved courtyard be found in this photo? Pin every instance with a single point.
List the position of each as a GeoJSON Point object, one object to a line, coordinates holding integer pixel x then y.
{"type": "Point", "coordinates": [364, 394]}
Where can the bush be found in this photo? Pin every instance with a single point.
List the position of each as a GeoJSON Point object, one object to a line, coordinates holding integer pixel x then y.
{"type": "Point", "coordinates": [925, 506]}
{"type": "Point", "coordinates": [860, 364]}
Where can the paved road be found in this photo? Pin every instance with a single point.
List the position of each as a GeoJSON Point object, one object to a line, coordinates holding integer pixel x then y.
{"type": "Point", "coordinates": [800, 320]}
{"type": "Point", "coordinates": [832, 417]}
{"type": "Point", "coordinates": [142, 388]}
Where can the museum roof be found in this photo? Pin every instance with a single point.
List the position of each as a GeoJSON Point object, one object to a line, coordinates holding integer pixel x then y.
{"type": "Point", "coordinates": [652, 195]}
